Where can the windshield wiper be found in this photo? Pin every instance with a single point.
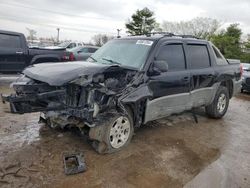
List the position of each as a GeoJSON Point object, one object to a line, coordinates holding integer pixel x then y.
{"type": "Point", "coordinates": [111, 61]}
{"type": "Point", "coordinates": [93, 58]}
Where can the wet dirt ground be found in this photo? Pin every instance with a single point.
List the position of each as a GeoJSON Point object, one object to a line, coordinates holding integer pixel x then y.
{"type": "Point", "coordinates": [171, 152]}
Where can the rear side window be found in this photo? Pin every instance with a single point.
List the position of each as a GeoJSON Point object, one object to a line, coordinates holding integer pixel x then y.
{"type": "Point", "coordinates": [219, 58]}
{"type": "Point", "coordinates": [197, 56]}
{"type": "Point", "coordinates": [173, 54]}
{"type": "Point", "coordinates": [10, 41]}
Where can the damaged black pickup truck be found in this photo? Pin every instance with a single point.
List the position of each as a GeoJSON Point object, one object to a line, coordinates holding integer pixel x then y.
{"type": "Point", "coordinates": [127, 83]}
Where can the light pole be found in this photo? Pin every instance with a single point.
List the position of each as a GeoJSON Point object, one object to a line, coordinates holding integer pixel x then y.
{"type": "Point", "coordinates": [58, 30]}
{"type": "Point", "coordinates": [118, 33]}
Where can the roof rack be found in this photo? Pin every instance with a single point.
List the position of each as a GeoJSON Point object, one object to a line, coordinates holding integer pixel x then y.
{"type": "Point", "coordinates": [168, 34]}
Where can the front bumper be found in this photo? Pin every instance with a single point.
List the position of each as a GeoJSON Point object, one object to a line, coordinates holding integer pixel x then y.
{"type": "Point", "coordinates": [47, 102]}
{"type": "Point", "coordinates": [33, 102]}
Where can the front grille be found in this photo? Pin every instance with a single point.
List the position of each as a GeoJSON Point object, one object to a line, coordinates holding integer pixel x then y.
{"type": "Point", "coordinates": [248, 81]}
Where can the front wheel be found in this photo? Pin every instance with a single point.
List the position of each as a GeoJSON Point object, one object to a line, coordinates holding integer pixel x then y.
{"type": "Point", "coordinates": [219, 106]}
{"type": "Point", "coordinates": [112, 135]}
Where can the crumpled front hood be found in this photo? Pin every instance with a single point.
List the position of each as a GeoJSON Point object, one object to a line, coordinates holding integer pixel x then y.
{"type": "Point", "coordinates": [57, 74]}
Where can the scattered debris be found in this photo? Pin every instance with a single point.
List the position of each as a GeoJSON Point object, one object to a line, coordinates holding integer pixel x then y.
{"type": "Point", "coordinates": [60, 135]}
{"type": "Point", "coordinates": [74, 163]}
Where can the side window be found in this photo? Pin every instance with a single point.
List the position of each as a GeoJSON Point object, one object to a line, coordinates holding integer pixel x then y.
{"type": "Point", "coordinates": [72, 45]}
{"type": "Point", "coordinates": [174, 55]}
{"type": "Point", "coordinates": [197, 56]}
{"type": "Point", "coordinates": [92, 50]}
{"type": "Point", "coordinates": [10, 41]}
{"type": "Point", "coordinates": [219, 58]}
{"type": "Point", "coordinates": [84, 50]}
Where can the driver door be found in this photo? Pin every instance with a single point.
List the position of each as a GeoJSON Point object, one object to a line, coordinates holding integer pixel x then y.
{"type": "Point", "coordinates": [170, 89]}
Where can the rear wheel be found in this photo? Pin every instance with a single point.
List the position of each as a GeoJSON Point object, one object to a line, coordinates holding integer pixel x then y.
{"type": "Point", "coordinates": [113, 135]}
{"type": "Point", "coordinates": [219, 106]}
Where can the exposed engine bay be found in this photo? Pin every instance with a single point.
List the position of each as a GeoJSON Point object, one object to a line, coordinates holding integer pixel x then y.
{"type": "Point", "coordinates": [75, 103]}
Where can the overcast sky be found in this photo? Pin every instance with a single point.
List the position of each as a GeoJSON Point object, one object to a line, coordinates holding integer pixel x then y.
{"type": "Point", "coordinates": [81, 19]}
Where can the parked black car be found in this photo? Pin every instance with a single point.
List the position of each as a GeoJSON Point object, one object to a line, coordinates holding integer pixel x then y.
{"type": "Point", "coordinates": [245, 77]}
{"type": "Point", "coordinates": [15, 54]}
{"type": "Point", "coordinates": [127, 83]}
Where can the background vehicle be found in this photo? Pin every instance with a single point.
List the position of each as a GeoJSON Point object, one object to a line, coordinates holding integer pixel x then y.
{"type": "Point", "coordinates": [127, 83]}
{"type": "Point", "coordinates": [66, 45]}
{"type": "Point", "coordinates": [15, 54]}
{"type": "Point", "coordinates": [245, 77]}
{"type": "Point", "coordinates": [83, 52]}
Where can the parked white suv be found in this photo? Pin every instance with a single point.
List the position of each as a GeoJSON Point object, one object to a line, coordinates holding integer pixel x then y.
{"type": "Point", "coordinates": [67, 45]}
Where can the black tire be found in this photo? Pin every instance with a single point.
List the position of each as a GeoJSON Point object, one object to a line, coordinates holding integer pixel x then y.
{"type": "Point", "coordinates": [241, 90]}
{"type": "Point", "coordinates": [100, 134]}
{"type": "Point", "coordinates": [212, 109]}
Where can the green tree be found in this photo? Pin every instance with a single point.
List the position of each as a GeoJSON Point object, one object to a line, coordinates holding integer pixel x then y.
{"type": "Point", "coordinates": [142, 22]}
{"type": "Point", "coordinates": [247, 44]}
{"type": "Point", "coordinates": [229, 42]}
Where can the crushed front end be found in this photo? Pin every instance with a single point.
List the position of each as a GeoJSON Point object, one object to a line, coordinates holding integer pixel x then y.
{"type": "Point", "coordinates": [34, 96]}
{"type": "Point", "coordinates": [76, 103]}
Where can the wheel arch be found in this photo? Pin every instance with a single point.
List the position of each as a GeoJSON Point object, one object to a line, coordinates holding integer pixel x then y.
{"type": "Point", "coordinates": [229, 85]}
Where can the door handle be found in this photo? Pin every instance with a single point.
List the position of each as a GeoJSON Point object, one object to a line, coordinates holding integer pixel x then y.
{"type": "Point", "coordinates": [185, 78]}
{"type": "Point", "coordinates": [19, 53]}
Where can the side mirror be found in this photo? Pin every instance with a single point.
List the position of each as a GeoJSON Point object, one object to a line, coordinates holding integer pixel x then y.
{"type": "Point", "coordinates": [79, 51]}
{"type": "Point", "coordinates": [159, 66]}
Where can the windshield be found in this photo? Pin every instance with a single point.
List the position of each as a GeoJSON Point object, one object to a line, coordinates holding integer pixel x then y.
{"type": "Point", "coordinates": [131, 53]}
{"type": "Point", "coordinates": [64, 44]}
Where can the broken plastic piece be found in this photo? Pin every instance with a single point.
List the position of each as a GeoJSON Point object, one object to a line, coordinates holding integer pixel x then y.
{"type": "Point", "coordinates": [74, 163]}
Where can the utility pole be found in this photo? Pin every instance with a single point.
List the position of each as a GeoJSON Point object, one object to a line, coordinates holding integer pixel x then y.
{"type": "Point", "coordinates": [118, 33]}
{"type": "Point", "coordinates": [58, 30]}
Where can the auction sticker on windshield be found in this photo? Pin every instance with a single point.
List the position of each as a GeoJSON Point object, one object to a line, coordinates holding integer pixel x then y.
{"type": "Point", "coordinates": [145, 42]}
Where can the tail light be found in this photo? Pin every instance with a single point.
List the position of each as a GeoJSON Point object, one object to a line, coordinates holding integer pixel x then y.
{"type": "Point", "coordinates": [71, 57]}
{"type": "Point", "coordinates": [68, 57]}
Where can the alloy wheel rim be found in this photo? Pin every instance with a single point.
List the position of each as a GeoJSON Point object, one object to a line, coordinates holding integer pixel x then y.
{"type": "Point", "coordinates": [222, 101]}
{"type": "Point", "coordinates": [119, 132]}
